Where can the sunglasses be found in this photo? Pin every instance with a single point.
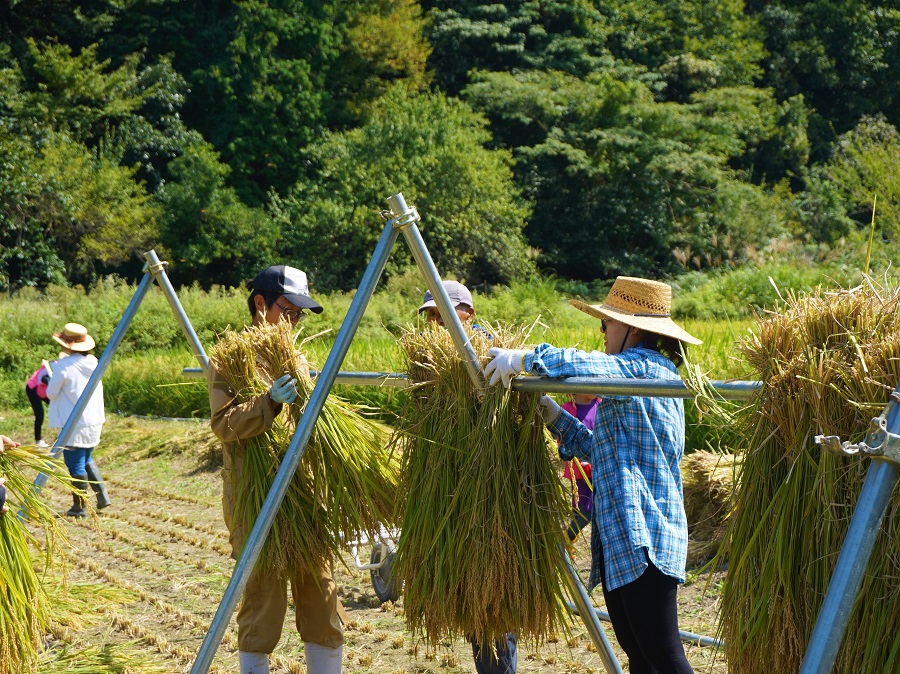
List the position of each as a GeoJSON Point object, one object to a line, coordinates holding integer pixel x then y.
{"type": "Point", "coordinates": [290, 314]}
{"type": "Point", "coordinates": [603, 326]}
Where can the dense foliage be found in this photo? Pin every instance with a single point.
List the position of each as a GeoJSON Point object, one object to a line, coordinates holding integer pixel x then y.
{"type": "Point", "coordinates": [584, 138]}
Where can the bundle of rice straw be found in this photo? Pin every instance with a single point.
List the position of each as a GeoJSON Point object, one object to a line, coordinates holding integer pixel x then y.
{"type": "Point", "coordinates": [347, 479]}
{"type": "Point", "coordinates": [828, 363]}
{"type": "Point", "coordinates": [24, 608]}
{"type": "Point", "coordinates": [708, 481]}
{"type": "Point", "coordinates": [483, 510]}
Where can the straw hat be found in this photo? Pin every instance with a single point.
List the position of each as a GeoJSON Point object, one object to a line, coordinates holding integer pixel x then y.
{"type": "Point", "coordinates": [75, 337]}
{"type": "Point", "coordinates": [640, 303]}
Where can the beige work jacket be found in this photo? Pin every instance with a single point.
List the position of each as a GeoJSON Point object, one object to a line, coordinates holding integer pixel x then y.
{"type": "Point", "coordinates": [234, 422]}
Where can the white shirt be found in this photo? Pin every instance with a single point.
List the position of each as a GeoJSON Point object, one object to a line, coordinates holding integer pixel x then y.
{"type": "Point", "coordinates": [70, 377]}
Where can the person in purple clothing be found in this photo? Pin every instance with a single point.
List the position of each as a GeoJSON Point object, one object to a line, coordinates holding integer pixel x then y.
{"type": "Point", "coordinates": [639, 552]}
{"type": "Point", "coordinates": [583, 407]}
{"type": "Point", "coordinates": [36, 391]}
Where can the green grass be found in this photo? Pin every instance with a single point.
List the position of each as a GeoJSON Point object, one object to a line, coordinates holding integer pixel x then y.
{"type": "Point", "coordinates": [145, 377]}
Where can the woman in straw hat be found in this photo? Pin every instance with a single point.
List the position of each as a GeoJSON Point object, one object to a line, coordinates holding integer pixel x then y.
{"type": "Point", "coordinates": [68, 381]}
{"type": "Point", "coordinates": [639, 528]}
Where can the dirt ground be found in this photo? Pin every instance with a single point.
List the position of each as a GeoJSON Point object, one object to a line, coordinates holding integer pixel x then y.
{"type": "Point", "coordinates": [155, 564]}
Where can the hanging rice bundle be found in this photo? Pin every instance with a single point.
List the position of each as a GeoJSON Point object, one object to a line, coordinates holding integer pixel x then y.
{"type": "Point", "coordinates": [707, 479]}
{"type": "Point", "coordinates": [24, 609]}
{"type": "Point", "coordinates": [483, 510]}
{"type": "Point", "coordinates": [347, 479]}
{"type": "Point", "coordinates": [828, 363]}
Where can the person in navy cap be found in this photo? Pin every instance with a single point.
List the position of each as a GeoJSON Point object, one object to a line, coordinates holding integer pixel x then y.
{"type": "Point", "coordinates": [278, 293]}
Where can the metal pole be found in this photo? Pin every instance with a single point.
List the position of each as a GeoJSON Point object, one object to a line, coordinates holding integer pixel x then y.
{"type": "Point", "coordinates": [648, 388]}
{"type": "Point", "coordinates": [587, 613]}
{"type": "Point", "coordinates": [874, 499]}
{"type": "Point", "coordinates": [294, 453]}
{"type": "Point", "coordinates": [158, 269]}
{"type": "Point", "coordinates": [687, 637]}
{"type": "Point", "coordinates": [473, 366]}
{"type": "Point", "coordinates": [439, 293]}
{"type": "Point", "coordinates": [97, 375]}
{"type": "Point", "coordinates": [601, 386]}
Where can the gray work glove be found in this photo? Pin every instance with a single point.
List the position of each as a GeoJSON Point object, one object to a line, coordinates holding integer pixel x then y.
{"type": "Point", "coordinates": [284, 389]}
{"type": "Point", "coordinates": [550, 410]}
{"type": "Point", "coordinates": [504, 365]}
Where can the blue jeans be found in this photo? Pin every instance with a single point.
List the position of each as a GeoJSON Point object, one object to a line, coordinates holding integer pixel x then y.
{"type": "Point", "coordinates": [76, 458]}
{"type": "Point", "coordinates": [504, 663]}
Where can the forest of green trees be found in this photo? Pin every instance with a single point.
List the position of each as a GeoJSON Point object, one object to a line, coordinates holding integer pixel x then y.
{"type": "Point", "coordinates": [573, 138]}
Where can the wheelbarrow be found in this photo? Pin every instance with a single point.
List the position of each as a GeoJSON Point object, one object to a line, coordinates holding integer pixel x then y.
{"type": "Point", "coordinates": [381, 563]}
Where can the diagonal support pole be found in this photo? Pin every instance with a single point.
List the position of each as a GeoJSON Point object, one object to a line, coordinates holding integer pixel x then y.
{"type": "Point", "coordinates": [846, 580]}
{"type": "Point", "coordinates": [155, 270]}
{"type": "Point", "coordinates": [158, 270]}
{"type": "Point", "coordinates": [473, 366]}
{"type": "Point", "coordinates": [105, 358]}
{"type": "Point", "coordinates": [294, 452]}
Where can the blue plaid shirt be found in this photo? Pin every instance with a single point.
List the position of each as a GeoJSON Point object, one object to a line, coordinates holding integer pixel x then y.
{"type": "Point", "coordinates": [635, 450]}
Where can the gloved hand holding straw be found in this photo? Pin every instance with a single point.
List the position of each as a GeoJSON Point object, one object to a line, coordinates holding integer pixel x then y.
{"type": "Point", "coordinates": [504, 365]}
{"type": "Point", "coordinates": [283, 390]}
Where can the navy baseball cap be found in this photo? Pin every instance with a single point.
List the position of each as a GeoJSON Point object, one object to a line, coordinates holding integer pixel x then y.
{"type": "Point", "coordinates": [287, 281]}
{"type": "Point", "coordinates": [458, 293]}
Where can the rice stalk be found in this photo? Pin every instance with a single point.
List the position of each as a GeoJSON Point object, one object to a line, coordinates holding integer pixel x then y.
{"type": "Point", "coordinates": [708, 483]}
{"type": "Point", "coordinates": [346, 482]}
{"type": "Point", "coordinates": [481, 506]}
{"type": "Point", "coordinates": [24, 609]}
{"type": "Point", "coordinates": [827, 362]}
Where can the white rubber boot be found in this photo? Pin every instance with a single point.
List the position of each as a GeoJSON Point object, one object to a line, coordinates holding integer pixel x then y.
{"type": "Point", "coordinates": [253, 663]}
{"type": "Point", "coordinates": [321, 660]}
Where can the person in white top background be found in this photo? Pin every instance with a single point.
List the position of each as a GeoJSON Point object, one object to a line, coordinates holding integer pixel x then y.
{"type": "Point", "coordinates": [70, 377]}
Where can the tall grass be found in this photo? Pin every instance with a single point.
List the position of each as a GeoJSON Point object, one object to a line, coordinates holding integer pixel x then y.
{"type": "Point", "coordinates": [145, 377]}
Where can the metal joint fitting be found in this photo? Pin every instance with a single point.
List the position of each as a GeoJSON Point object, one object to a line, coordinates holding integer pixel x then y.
{"type": "Point", "coordinates": [155, 269]}
{"type": "Point", "coordinates": [879, 443]}
{"type": "Point", "coordinates": [405, 219]}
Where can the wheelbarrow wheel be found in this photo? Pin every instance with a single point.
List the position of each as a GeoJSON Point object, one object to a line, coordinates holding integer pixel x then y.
{"type": "Point", "coordinates": [385, 588]}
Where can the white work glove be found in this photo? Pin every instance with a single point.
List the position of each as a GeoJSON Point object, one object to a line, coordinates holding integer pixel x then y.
{"type": "Point", "coordinates": [284, 389]}
{"type": "Point", "coordinates": [550, 410]}
{"type": "Point", "coordinates": [504, 365]}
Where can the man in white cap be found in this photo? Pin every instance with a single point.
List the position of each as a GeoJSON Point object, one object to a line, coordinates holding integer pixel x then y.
{"type": "Point", "coordinates": [460, 299]}
{"type": "Point", "coordinates": [640, 548]}
{"type": "Point", "coordinates": [68, 381]}
{"type": "Point", "coordinates": [277, 293]}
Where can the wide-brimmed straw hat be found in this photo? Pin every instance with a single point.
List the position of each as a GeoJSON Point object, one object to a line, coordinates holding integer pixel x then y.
{"type": "Point", "coordinates": [75, 337]}
{"type": "Point", "coordinates": [640, 303]}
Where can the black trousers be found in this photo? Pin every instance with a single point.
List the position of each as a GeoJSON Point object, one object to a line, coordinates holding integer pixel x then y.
{"type": "Point", "coordinates": [644, 616]}
{"type": "Point", "coordinates": [37, 406]}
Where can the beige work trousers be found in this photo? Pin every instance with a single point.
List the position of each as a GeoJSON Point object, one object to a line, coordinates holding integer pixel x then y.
{"type": "Point", "coordinates": [264, 604]}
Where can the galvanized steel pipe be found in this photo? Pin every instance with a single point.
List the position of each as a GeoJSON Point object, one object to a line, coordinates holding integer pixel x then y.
{"type": "Point", "coordinates": [114, 341]}
{"type": "Point", "coordinates": [158, 269]}
{"type": "Point", "coordinates": [874, 500]}
{"type": "Point", "coordinates": [294, 452]}
{"type": "Point", "coordinates": [435, 284]}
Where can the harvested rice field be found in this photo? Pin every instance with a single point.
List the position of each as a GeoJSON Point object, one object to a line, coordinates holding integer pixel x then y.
{"type": "Point", "coordinates": [145, 576]}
